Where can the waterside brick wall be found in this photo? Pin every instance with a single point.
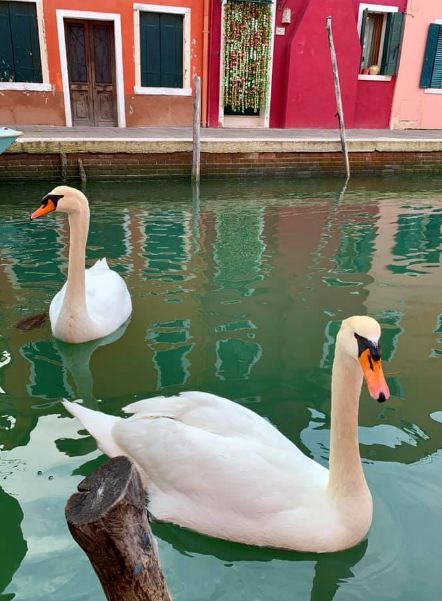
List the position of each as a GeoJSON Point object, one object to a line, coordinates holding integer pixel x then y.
{"type": "Point", "coordinates": [24, 166]}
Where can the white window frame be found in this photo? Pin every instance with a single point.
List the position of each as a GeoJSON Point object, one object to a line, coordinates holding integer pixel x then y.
{"type": "Point", "coordinates": [375, 8]}
{"type": "Point", "coordinates": [186, 90]}
{"type": "Point", "coordinates": [119, 73]}
{"type": "Point", "coordinates": [434, 90]}
{"type": "Point", "coordinates": [24, 86]}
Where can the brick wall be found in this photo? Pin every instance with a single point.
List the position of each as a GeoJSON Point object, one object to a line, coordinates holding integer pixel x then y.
{"type": "Point", "coordinates": [23, 166]}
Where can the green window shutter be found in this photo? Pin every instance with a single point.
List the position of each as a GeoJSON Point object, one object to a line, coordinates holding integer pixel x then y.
{"type": "Point", "coordinates": [436, 79]}
{"type": "Point", "coordinates": [361, 37]}
{"type": "Point", "coordinates": [430, 55]}
{"type": "Point", "coordinates": [161, 42]}
{"type": "Point", "coordinates": [171, 51]}
{"type": "Point", "coordinates": [150, 49]}
{"type": "Point", "coordinates": [25, 42]}
{"type": "Point", "coordinates": [392, 44]}
{"type": "Point", "coordinates": [6, 53]}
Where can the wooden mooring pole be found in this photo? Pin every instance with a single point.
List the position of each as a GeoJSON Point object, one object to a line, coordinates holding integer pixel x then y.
{"type": "Point", "coordinates": [196, 129]}
{"type": "Point", "coordinates": [107, 518]}
{"type": "Point", "coordinates": [338, 96]}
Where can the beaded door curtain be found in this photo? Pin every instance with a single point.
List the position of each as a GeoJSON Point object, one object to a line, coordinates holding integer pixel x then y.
{"type": "Point", "coordinates": [247, 42]}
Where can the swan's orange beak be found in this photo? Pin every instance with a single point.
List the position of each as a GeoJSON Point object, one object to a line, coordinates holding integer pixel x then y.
{"type": "Point", "coordinates": [45, 208]}
{"type": "Point", "coordinates": [374, 376]}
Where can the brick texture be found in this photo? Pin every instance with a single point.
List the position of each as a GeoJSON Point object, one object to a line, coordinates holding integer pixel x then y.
{"type": "Point", "coordinates": [25, 166]}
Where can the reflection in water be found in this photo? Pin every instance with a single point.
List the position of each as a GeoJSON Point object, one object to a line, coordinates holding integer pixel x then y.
{"type": "Point", "coordinates": [76, 359]}
{"type": "Point", "coordinates": [331, 569]}
{"type": "Point", "coordinates": [12, 544]}
{"type": "Point", "coordinates": [238, 289]}
{"type": "Point", "coordinates": [417, 242]}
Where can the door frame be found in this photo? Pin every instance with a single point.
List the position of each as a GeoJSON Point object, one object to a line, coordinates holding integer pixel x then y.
{"type": "Point", "coordinates": [265, 122]}
{"type": "Point", "coordinates": [119, 76]}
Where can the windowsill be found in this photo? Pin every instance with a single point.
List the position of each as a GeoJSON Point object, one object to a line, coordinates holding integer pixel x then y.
{"type": "Point", "coordinates": [163, 91]}
{"type": "Point", "coordinates": [25, 87]}
{"type": "Point", "coordinates": [433, 90]}
{"type": "Point", "coordinates": [374, 77]}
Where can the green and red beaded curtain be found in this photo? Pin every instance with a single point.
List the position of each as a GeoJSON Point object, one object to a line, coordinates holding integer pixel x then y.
{"type": "Point", "coordinates": [247, 44]}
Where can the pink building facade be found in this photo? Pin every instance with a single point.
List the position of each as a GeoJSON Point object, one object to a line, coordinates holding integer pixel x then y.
{"type": "Point", "coordinates": [417, 100]}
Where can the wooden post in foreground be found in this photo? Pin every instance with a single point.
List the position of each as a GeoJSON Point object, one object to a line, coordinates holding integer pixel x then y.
{"type": "Point", "coordinates": [107, 518]}
{"type": "Point", "coordinates": [338, 96]}
{"type": "Point", "coordinates": [196, 129]}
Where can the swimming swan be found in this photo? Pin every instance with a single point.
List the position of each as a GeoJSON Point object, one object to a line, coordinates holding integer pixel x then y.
{"type": "Point", "coordinates": [93, 302]}
{"type": "Point", "coordinates": [216, 467]}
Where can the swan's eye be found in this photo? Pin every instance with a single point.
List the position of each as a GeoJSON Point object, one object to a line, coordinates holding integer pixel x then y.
{"type": "Point", "coordinates": [54, 197]}
{"type": "Point", "coordinates": [364, 344]}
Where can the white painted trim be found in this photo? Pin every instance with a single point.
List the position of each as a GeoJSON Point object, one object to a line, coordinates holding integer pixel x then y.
{"type": "Point", "coordinates": [24, 86]}
{"type": "Point", "coordinates": [433, 91]}
{"type": "Point", "coordinates": [163, 91]}
{"type": "Point", "coordinates": [438, 21]}
{"type": "Point", "coordinates": [42, 43]}
{"type": "Point", "coordinates": [269, 90]}
{"type": "Point", "coordinates": [187, 19]}
{"type": "Point", "coordinates": [119, 74]}
{"type": "Point", "coordinates": [160, 8]}
{"type": "Point", "coordinates": [374, 77]}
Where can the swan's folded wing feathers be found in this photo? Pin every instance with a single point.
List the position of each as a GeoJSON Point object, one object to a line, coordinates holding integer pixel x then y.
{"type": "Point", "coordinates": [214, 414]}
{"type": "Point", "coordinates": [192, 471]}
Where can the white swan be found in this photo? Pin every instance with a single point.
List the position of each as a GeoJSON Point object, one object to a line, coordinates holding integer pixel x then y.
{"type": "Point", "coordinates": [93, 302]}
{"type": "Point", "coordinates": [218, 468]}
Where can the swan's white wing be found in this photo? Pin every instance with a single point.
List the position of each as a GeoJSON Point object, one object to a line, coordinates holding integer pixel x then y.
{"type": "Point", "coordinates": [107, 297]}
{"type": "Point", "coordinates": [222, 485]}
{"type": "Point", "coordinates": [214, 414]}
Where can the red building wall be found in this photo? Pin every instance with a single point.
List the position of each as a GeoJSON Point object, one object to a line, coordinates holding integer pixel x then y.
{"type": "Point", "coordinates": [302, 89]}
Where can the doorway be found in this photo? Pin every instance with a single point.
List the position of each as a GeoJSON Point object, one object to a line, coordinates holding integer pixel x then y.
{"type": "Point", "coordinates": [90, 54]}
{"type": "Point", "coordinates": [247, 34]}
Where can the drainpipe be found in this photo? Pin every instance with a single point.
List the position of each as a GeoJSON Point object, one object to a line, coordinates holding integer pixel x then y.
{"type": "Point", "coordinates": [205, 63]}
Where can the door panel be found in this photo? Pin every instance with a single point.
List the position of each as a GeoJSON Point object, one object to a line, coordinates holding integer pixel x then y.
{"type": "Point", "coordinates": [103, 70]}
{"type": "Point", "coordinates": [81, 100]}
{"type": "Point", "coordinates": [91, 67]}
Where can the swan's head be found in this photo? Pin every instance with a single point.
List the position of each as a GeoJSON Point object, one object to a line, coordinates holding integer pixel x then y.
{"type": "Point", "coordinates": [61, 198]}
{"type": "Point", "coordinates": [359, 339]}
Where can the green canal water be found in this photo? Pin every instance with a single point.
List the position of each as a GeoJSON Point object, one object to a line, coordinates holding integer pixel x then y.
{"type": "Point", "coordinates": [239, 292]}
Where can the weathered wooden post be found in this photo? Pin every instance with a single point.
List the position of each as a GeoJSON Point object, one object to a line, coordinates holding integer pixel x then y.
{"type": "Point", "coordinates": [338, 96]}
{"type": "Point", "coordinates": [82, 174]}
{"type": "Point", "coordinates": [196, 129]}
{"type": "Point", "coordinates": [107, 518]}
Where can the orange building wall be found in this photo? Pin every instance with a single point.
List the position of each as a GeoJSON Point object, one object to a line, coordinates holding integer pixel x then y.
{"type": "Point", "coordinates": [48, 107]}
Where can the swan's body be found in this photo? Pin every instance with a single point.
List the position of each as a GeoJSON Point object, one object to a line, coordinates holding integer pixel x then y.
{"type": "Point", "coordinates": [218, 468]}
{"type": "Point", "coordinates": [95, 302]}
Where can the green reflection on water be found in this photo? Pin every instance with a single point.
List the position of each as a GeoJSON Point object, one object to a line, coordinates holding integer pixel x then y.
{"type": "Point", "coordinates": [240, 292]}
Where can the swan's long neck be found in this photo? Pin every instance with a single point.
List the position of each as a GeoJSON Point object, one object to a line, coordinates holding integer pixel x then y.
{"type": "Point", "coordinates": [346, 474]}
{"type": "Point", "coordinates": [75, 296]}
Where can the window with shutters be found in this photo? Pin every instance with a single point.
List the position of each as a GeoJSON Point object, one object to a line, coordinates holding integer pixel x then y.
{"type": "Point", "coordinates": [162, 51]}
{"type": "Point", "coordinates": [380, 32]}
{"type": "Point", "coordinates": [20, 52]}
{"type": "Point", "coordinates": [431, 77]}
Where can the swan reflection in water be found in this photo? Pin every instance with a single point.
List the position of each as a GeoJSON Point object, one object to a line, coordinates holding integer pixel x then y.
{"type": "Point", "coordinates": [331, 569]}
{"type": "Point", "coordinates": [76, 359]}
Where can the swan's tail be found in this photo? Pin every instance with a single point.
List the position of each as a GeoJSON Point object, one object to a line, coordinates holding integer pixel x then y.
{"type": "Point", "coordinates": [99, 425]}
